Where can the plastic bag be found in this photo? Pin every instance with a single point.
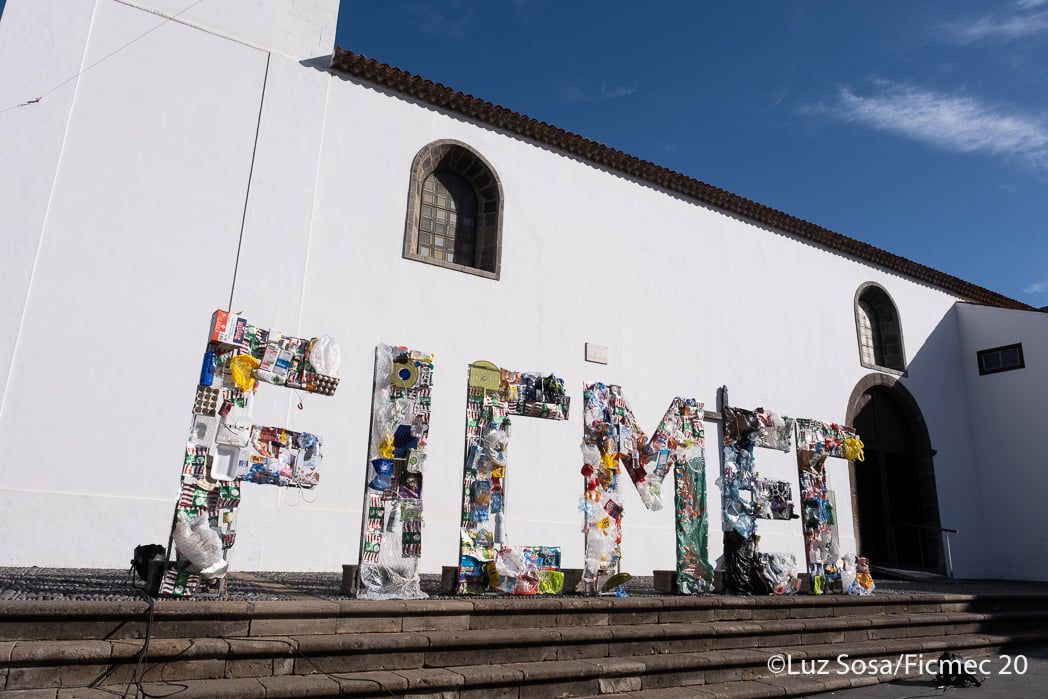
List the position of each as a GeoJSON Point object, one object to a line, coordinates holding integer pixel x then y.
{"type": "Point", "coordinates": [847, 568]}
{"type": "Point", "coordinates": [393, 575]}
{"type": "Point", "coordinates": [383, 472]}
{"type": "Point", "coordinates": [739, 424]}
{"type": "Point", "coordinates": [514, 574]}
{"type": "Point", "coordinates": [510, 562]}
{"type": "Point", "coordinates": [551, 582]}
{"type": "Point", "coordinates": [740, 565]}
{"type": "Point", "coordinates": [776, 431]}
{"type": "Point", "coordinates": [863, 583]}
{"type": "Point", "coordinates": [235, 427]}
{"type": "Point", "coordinates": [201, 545]}
{"type": "Point", "coordinates": [242, 367]}
{"type": "Point", "coordinates": [325, 356]}
{"type": "Point", "coordinates": [473, 578]}
{"type": "Point", "coordinates": [779, 571]}
{"type": "Point", "coordinates": [203, 431]}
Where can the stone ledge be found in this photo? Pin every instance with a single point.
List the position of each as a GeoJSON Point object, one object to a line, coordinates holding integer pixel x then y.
{"type": "Point", "coordinates": [553, 673]}
{"type": "Point", "coordinates": [195, 609]}
{"type": "Point", "coordinates": [283, 645]}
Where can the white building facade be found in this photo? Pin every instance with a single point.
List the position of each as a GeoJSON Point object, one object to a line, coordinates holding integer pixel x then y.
{"type": "Point", "coordinates": [218, 161]}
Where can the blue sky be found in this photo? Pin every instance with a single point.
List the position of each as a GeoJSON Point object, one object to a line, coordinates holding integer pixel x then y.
{"type": "Point", "coordinates": [921, 128]}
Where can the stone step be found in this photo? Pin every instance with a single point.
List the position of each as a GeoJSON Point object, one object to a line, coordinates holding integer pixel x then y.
{"type": "Point", "coordinates": [56, 620]}
{"type": "Point", "coordinates": [31, 664]}
{"type": "Point", "coordinates": [750, 689]}
{"type": "Point", "coordinates": [726, 673]}
{"type": "Point", "coordinates": [785, 686]}
{"type": "Point", "coordinates": [577, 641]}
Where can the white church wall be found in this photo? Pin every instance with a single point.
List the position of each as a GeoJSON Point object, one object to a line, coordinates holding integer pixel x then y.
{"type": "Point", "coordinates": [143, 232]}
{"type": "Point", "coordinates": [300, 29]}
{"type": "Point", "coordinates": [936, 378]}
{"type": "Point", "coordinates": [41, 45]}
{"type": "Point", "coordinates": [1007, 414]}
{"type": "Point", "coordinates": [146, 206]}
{"type": "Point", "coordinates": [800, 357]}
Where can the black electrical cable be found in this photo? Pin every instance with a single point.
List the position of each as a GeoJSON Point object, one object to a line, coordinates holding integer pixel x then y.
{"type": "Point", "coordinates": [939, 693]}
{"type": "Point", "coordinates": [330, 675]}
{"type": "Point", "coordinates": [136, 675]}
{"type": "Point", "coordinates": [141, 657]}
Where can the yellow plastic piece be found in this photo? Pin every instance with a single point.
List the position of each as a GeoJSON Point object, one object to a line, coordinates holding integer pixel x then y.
{"type": "Point", "coordinates": [551, 582]}
{"type": "Point", "coordinates": [484, 375]}
{"type": "Point", "coordinates": [242, 368]}
{"type": "Point", "coordinates": [853, 447]}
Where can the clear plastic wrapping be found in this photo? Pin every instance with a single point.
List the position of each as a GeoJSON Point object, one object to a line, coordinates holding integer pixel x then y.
{"type": "Point", "coordinates": [393, 517]}
{"type": "Point", "coordinates": [613, 442]}
{"type": "Point", "coordinates": [496, 397]}
{"type": "Point", "coordinates": [201, 545]}
{"type": "Point", "coordinates": [779, 571]}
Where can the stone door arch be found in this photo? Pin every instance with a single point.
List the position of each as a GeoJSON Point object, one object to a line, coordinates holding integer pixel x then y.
{"type": "Point", "coordinates": [895, 506]}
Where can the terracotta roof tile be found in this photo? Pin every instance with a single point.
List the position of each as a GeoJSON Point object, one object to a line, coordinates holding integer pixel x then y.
{"type": "Point", "coordinates": [503, 118]}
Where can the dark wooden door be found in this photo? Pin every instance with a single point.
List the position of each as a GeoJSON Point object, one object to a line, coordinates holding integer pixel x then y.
{"type": "Point", "coordinates": [892, 526]}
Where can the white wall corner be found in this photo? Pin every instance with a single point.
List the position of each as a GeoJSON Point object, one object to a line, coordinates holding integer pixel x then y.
{"type": "Point", "coordinates": [299, 29]}
{"type": "Point", "coordinates": [313, 23]}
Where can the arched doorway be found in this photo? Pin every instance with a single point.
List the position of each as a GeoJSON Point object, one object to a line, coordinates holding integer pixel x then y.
{"type": "Point", "coordinates": [894, 501]}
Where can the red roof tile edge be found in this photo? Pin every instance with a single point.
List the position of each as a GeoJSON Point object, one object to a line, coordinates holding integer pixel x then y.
{"type": "Point", "coordinates": [503, 118]}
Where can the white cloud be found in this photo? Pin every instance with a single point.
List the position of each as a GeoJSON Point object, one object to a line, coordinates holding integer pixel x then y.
{"type": "Point", "coordinates": [956, 122]}
{"type": "Point", "coordinates": [1029, 4]}
{"type": "Point", "coordinates": [1037, 288]}
{"type": "Point", "coordinates": [1003, 29]}
{"type": "Point", "coordinates": [779, 95]}
{"type": "Point", "coordinates": [576, 93]}
{"type": "Point", "coordinates": [613, 91]}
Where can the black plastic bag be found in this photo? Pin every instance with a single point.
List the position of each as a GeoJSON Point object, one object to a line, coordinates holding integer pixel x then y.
{"type": "Point", "coordinates": [739, 424]}
{"type": "Point", "coordinates": [741, 573]}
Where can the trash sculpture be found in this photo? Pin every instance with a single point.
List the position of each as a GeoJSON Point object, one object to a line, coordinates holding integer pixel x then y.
{"type": "Point", "coordinates": [392, 543]}
{"type": "Point", "coordinates": [226, 449]}
{"type": "Point", "coordinates": [828, 570]}
{"type": "Point", "coordinates": [745, 498]}
{"type": "Point", "coordinates": [612, 442]}
{"type": "Point", "coordinates": [486, 561]}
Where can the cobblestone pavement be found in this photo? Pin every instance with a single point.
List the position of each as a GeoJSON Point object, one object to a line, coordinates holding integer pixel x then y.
{"type": "Point", "coordinates": [106, 584]}
{"type": "Point", "coordinates": [34, 583]}
{"type": "Point", "coordinates": [1022, 679]}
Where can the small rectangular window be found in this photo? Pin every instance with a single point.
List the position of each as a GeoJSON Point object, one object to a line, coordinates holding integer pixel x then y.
{"type": "Point", "coordinates": [998, 359]}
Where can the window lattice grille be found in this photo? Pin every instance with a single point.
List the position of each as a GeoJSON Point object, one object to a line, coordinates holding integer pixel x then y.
{"type": "Point", "coordinates": [447, 224]}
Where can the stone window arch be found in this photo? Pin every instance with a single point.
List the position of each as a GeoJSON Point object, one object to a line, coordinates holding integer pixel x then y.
{"type": "Point", "coordinates": [454, 216]}
{"type": "Point", "coordinates": [878, 329]}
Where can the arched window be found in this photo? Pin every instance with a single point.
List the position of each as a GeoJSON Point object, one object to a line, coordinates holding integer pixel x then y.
{"type": "Point", "coordinates": [878, 328]}
{"type": "Point", "coordinates": [869, 335]}
{"type": "Point", "coordinates": [448, 219]}
{"type": "Point", "coordinates": [454, 215]}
